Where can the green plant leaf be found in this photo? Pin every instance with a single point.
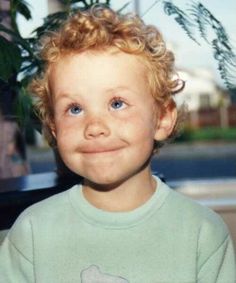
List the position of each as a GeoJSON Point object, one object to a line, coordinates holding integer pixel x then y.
{"type": "Point", "coordinates": [10, 59]}
{"type": "Point", "coordinates": [51, 23]}
{"type": "Point", "coordinates": [16, 39]}
{"type": "Point", "coordinates": [23, 107]}
{"type": "Point", "coordinates": [21, 7]}
{"type": "Point", "coordinates": [24, 10]}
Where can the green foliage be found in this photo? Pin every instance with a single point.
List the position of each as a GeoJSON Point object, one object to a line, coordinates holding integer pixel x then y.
{"type": "Point", "coordinates": [16, 53]}
{"type": "Point", "coordinates": [18, 7]}
{"type": "Point", "coordinates": [23, 106]}
{"type": "Point", "coordinates": [198, 21]}
{"type": "Point", "coordinates": [208, 134]}
{"type": "Point", "coordinates": [51, 23]}
{"type": "Point", "coordinates": [9, 50]}
{"type": "Point", "coordinates": [21, 7]}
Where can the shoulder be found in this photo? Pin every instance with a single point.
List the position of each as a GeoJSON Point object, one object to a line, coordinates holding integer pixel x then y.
{"type": "Point", "coordinates": [20, 242]}
{"type": "Point", "coordinates": [208, 223]}
{"type": "Point", "coordinates": [40, 214]}
{"type": "Point", "coordinates": [197, 224]}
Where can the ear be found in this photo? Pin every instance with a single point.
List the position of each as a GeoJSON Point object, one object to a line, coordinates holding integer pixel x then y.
{"type": "Point", "coordinates": [52, 128]}
{"type": "Point", "coordinates": [166, 122]}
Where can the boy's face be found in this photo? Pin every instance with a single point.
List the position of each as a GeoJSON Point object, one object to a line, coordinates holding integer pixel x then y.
{"type": "Point", "coordinates": [105, 118]}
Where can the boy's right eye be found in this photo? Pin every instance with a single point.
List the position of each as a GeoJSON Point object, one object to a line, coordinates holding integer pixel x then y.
{"type": "Point", "coordinates": [74, 110]}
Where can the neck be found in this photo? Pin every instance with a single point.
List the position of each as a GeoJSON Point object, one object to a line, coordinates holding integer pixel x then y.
{"type": "Point", "coordinates": [124, 196]}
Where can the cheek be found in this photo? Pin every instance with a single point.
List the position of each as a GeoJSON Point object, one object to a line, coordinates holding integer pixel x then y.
{"type": "Point", "coordinates": [66, 134]}
{"type": "Point", "coordinates": [65, 126]}
{"type": "Point", "coordinates": [140, 127]}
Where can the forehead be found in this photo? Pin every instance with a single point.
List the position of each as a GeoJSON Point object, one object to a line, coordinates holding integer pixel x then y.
{"type": "Point", "coordinates": [97, 68]}
{"type": "Point", "coordinates": [99, 57]}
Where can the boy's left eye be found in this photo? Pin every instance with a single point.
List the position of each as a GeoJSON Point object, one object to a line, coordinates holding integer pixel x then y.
{"type": "Point", "coordinates": [118, 104]}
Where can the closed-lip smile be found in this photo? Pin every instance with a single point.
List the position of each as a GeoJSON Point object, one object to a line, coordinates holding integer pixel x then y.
{"type": "Point", "coordinates": [100, 150]}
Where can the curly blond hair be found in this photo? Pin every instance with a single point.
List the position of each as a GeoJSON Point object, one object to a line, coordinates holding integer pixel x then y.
{"type": "Point", "coordinates": [100, 28]}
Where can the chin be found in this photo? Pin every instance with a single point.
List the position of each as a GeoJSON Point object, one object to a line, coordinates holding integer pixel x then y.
{"type": "Point", "coordinates": [103, 183]}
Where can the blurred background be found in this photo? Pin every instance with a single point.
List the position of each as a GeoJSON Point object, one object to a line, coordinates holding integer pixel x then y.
{"type": "Point", "coordinates": [203, 38]}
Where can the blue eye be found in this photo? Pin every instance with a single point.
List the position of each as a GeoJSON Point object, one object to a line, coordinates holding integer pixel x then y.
{"type": "Point", "coordinates": [75, 110]}
{"type": "Point", "coordinates": [118, 104]}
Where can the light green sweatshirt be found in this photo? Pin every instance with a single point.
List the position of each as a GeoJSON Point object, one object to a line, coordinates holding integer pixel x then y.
{"type": "Point", "coordinates": [169, 239]}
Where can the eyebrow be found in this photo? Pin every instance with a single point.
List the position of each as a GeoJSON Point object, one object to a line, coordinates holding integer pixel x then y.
{"type": "Point", "coordinates": [112, 89]}
{"type": "Point", "coordinates": [66, 95]}
{"type": "Point", "coordinates": [72, 96]}
{"type": "Point", "coordinates": [118, 88]}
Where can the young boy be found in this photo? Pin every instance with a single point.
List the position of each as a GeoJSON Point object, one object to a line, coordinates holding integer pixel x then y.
{"type": "Point", "coordinates": [106, 98]}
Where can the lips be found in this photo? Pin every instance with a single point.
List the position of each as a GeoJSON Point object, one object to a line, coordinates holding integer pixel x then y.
{"type": "Point", "coordinates": [100, 150]}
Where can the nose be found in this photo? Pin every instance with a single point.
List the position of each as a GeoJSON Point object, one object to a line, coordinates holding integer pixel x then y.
{"type": "Point", "coordinates": [96, 128]}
